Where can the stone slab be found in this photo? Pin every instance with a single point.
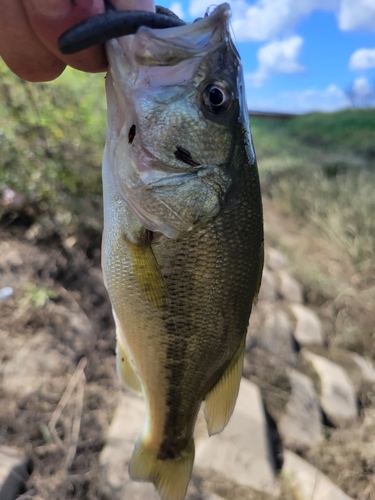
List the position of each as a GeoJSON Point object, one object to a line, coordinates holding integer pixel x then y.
{"type": "Point", "coordinates": [14, 472]}
{"type": "Point", "coordinates": [308, 482]}
{"type": "Point", "coordinates": [289, 288]}
{"type": "Point", "coordinates": [309, 329]}
{"type": "Point", "coordinates": [301, 425]}
{"type": "Point", "coordinates": [275, 259]}
{"type": "Point", "coordinates": [277, 335]}
{"type": "Point", "coordinates": [241, 451]}
{"type": "Point", "coordinates": [271, 329]}
{"type": "Point", "coordinates": [268, 288]}
{"type": "Point", "coordinates": [125, 429]}
{"type": "Point", "coordinates": [366, 366]}
{"type": "Point", "coordinates": [338, 396]}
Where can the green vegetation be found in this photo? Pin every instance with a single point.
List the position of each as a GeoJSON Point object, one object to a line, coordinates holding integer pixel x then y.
{"type": "Point", "coordinates": [51, 142]}
{"type": "Point", "coordinates": [320, 169]}
{"type": "Point", "coordinates": [344, 131]}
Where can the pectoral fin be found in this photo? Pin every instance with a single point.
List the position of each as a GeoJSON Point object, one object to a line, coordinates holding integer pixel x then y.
{"type": "Point", "coordinates": [221, 400]}
{"type": "Point", "coordinates": [145, 267]}
{"type": "Point", "coordinates": [125, 369]}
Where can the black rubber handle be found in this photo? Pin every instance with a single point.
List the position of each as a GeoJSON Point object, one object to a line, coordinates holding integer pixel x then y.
{"type": "Point", "coordinates": [113, 24]}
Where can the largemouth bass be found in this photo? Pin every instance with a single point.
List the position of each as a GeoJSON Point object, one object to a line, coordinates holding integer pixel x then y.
{"type": "Point", "coordinates": [183, 234]}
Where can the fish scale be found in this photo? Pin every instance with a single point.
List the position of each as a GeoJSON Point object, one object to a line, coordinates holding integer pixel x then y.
{"type": "Point", "coordinates": [183, 240]}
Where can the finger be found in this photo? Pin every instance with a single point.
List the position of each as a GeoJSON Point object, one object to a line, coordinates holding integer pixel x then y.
{"type": "Point", "coordinates": [21, 50]}
{"type": "Point", "coordinates": [50, 18]}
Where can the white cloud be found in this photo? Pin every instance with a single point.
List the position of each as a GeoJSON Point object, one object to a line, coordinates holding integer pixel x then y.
{"type": "Point", "coordinates": [265, 19]}
{"type": "Point", "coordinates": [327, 100]}
{"type": "Point", "coordinates": [177, 8]}
{"type": "Point", "coordinates": [357, 14]}
{"type": "Point", "coordinates": [270, 18]}
{"type": "Point", "coordinates": [199, 7]}
{"type": "Point", "coordinates": [362, 59]}
{"type": "Point", "coordinates": [362, 87]}
{"type": "Point", "coordinates": [261, 20]}
{"type": "Point", "coordinates": [361, 94]}
{"type": "Point", "coordinates": [277, 57]}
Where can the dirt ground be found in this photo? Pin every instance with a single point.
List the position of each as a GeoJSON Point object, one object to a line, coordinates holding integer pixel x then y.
{"type": "Point", "coordinates": [58, 291]}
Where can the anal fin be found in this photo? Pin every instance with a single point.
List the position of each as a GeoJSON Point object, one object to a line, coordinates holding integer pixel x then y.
{"type": "Point", "coordinates": [125, 369]}
{"type": "Point", "coordinates": [221, 400]}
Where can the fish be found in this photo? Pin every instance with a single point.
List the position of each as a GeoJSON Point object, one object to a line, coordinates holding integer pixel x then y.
{"type": "Point", "coordinates": [182, 250]}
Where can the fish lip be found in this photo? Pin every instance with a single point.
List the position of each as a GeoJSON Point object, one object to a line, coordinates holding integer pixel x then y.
{"type": "Point", "coordinates": [193, 37]}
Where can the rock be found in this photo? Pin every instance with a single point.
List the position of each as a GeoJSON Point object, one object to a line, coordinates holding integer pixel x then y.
{"type": "Point", "coordinates": [289, 288]}
{"type": "Point", "coordinates": [212, 496]}
{"type": "Point", "coordinates": [277, 336]}
{"type": "Point", "coordinates": [366, 366]}
{"type": "Point", "coordinates": [269, 373]}
{"type": "Point", "coordinates": [125, 429]}
{"type": "Point", "coordinates": [6, 293]}
{"type": "Point", "coordinates": [309, 330]}
{"type": "Point", "coordinates": [338, 397]}
{"type": "Point", "coordinates": [268, 288]}
{"type": "Point", "coordinates": [271, 329]}
{"type": "Point", "coordinates": [301, 425]}
{"type": "Point", "coordinates": [274, 259]}
{"type": "Point", "coordinates": [308, 482]}
{"type": "Point", "coordinates": [14, 472]}
{"type": "Point", "coordinates": [241, 452]}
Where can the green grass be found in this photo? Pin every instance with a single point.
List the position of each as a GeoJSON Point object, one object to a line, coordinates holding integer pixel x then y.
{"type": "Point", "coordinates": [321, 169]}
{"type": "Point", "coordinates": [51, 142]}
{"type": "Point", "coordinates": [352, 130]}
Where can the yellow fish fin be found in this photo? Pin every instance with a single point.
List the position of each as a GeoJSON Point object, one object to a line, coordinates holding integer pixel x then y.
{"type": "Point", "coordinates": [260, 274]}
{"type": "Point", "coordinates": [221, 400]}
{"type": "Point", "coordinates": [146, 268]}
{"type": "Point", "coordinates": [170, 477]}
{"type": "Point", "coordinates": [125, 369]}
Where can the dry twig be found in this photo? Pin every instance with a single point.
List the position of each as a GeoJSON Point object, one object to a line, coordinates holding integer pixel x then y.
{"type": "Point", "coordinates": [66, 396]}
{"type": "Point", "coordinates": [76, 422]}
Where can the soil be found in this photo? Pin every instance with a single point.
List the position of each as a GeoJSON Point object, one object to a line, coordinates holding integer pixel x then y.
{"type": "Point", "coordinates": [58, 291]}
{"type": "Point", "coordinates": [72, 277]}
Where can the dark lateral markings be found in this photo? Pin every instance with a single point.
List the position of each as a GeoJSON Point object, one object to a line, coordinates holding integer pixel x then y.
{"type": "Point", "coordinates": [131, 134]}
{"type": "Point", "coordinates": [184, 155]}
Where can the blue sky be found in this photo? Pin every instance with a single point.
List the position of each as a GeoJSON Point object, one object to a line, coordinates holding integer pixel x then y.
{"type": "Point", "coordinates": [301, 55]}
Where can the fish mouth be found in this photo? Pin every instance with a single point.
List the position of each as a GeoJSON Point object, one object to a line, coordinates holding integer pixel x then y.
{"type": "Point", "coordinates": [167, 57]}
{"type": "Point", "coordinates": [116, 24]}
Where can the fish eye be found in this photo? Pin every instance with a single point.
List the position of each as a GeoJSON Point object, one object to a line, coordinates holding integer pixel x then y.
{"type": "Point", "coordinates": [217, 98]}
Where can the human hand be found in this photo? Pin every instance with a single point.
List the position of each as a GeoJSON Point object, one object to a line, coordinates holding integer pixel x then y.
{"type": "Point", "coordinates": [29, 30]}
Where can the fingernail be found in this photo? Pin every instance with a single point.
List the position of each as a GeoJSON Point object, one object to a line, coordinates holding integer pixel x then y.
{"type": "Point", "coordinates": [51, 9]}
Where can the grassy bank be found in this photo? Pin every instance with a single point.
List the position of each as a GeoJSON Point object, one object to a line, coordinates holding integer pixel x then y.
{"type": "Point", "coordinates": [51, 142]}
{"type": "Point", "coordinates": [318, 177]}
{"type": "Point", "coordinates": [321, 169]}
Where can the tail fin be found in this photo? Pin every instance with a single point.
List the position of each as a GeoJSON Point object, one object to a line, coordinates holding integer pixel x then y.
{"type": "Point", "coordinates": [170, 477]}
